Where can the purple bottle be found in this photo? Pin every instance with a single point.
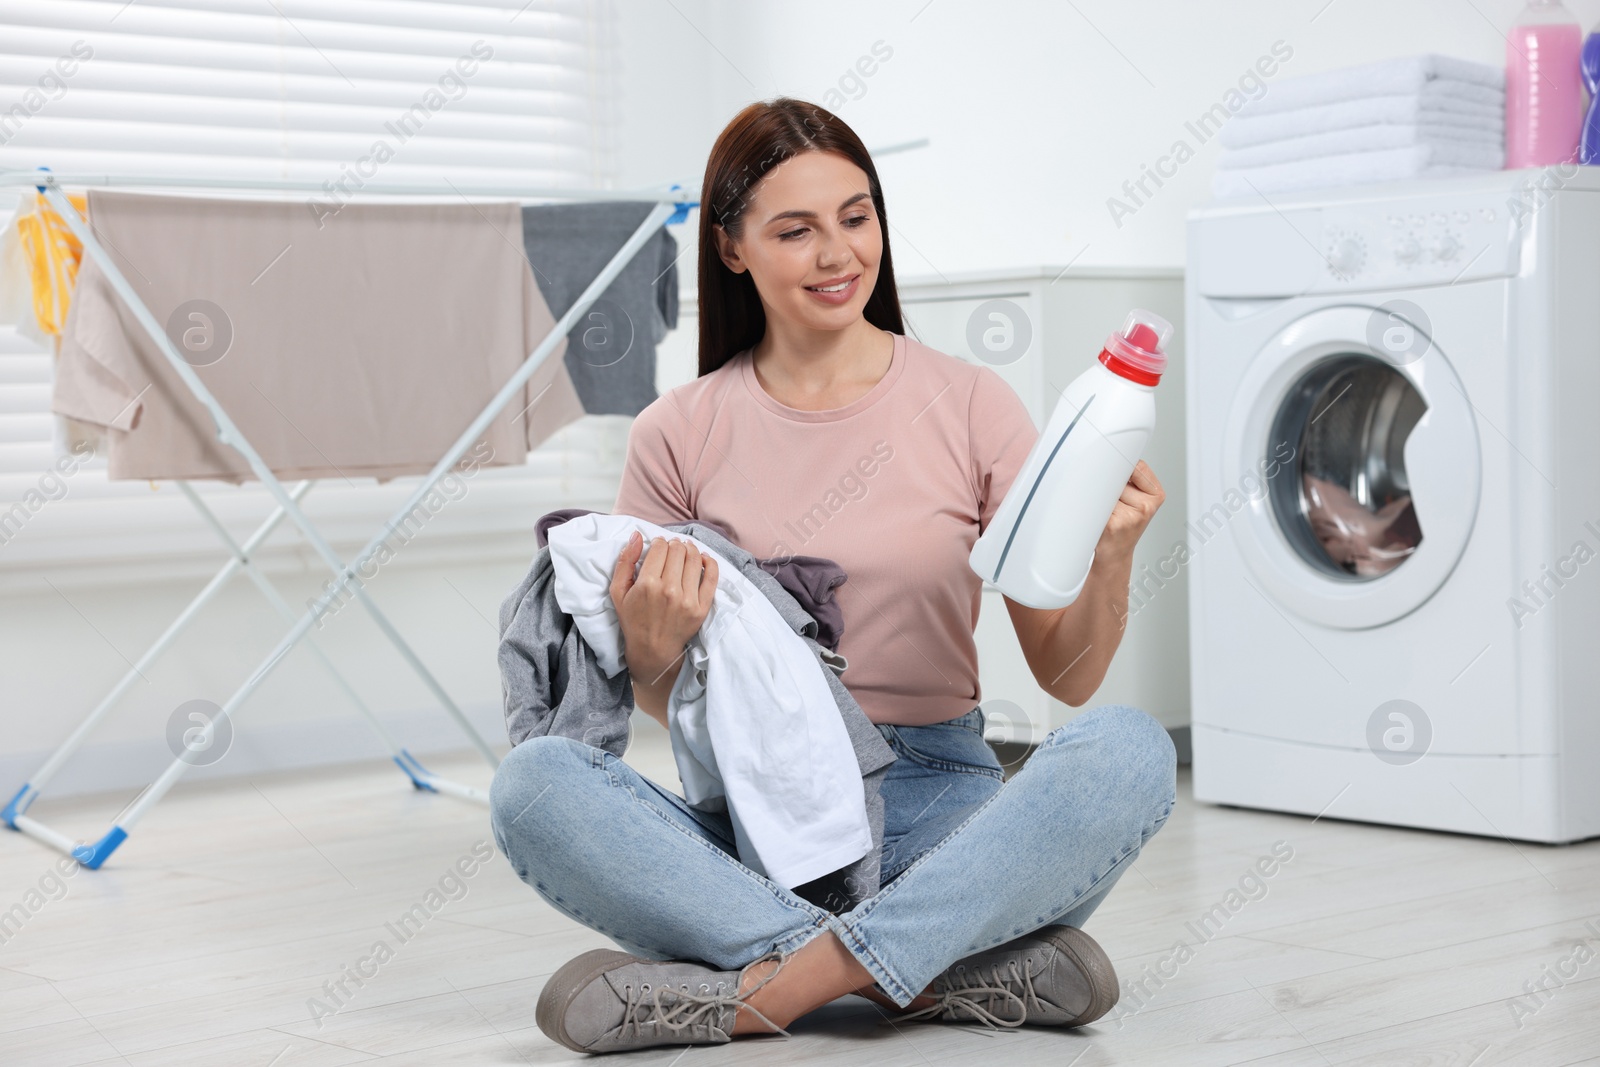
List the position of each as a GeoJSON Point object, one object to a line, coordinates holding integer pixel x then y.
{"type": "Point", "coordinates": [1589, 145]}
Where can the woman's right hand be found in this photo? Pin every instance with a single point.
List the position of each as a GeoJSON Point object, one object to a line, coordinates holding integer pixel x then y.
{"type": "Point", "coordinates": [661, 608]}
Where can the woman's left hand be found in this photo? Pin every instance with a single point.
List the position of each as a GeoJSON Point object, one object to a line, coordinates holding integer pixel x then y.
{"type": "Point", "coordinates": [1140, 499]}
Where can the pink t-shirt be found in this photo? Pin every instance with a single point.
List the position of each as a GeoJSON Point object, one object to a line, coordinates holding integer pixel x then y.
{"type": "Point", "coordinates": [895, 487]}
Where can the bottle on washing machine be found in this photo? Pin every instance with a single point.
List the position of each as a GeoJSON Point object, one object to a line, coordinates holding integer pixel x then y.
{"type": "Point", "coordinates": [1040, 544]}
{"type": "Point", "coordinates": [1544, 86]}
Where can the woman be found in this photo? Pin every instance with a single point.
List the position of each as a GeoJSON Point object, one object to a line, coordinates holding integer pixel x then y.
{"type": "Point", "coordinates": [816, 426]}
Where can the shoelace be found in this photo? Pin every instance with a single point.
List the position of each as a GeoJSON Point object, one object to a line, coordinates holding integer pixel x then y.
{"type": "Point", "coordinates": [963, 995]}
{"type": "Point", "coordinates": [690, 1009]}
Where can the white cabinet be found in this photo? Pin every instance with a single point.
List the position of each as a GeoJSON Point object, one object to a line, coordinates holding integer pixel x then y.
{"type": "Point", "coordinates": [1039, 328]}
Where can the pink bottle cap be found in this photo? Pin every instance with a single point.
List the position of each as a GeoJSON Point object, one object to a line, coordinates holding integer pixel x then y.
{"type": "Point", "coordinates": [1137, 351]}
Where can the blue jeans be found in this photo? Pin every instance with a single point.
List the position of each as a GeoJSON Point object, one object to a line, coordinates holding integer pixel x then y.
{"type": "Point", "coordinates": [969, 860]}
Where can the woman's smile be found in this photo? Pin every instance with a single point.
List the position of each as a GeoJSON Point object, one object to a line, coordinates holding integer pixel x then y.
{"type": "Point", "coordinates": [837, 291]}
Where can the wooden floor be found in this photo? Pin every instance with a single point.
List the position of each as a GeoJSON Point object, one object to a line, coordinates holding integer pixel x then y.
{"type": "Point", "coordinates": [209, 937]}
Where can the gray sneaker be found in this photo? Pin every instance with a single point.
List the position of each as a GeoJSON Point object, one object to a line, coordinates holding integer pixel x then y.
{"type": "Point", "coordinates": [1055, 976]}
{"type": "Point", "coordinates": [611, 1001]}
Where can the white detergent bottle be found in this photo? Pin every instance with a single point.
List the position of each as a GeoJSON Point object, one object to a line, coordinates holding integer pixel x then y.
{"type": "Point", "coordinates": [1040, 544]}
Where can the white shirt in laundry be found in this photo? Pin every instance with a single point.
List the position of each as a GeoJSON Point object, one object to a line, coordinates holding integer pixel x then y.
{"type": "Point", "coordinates": [754, 727]}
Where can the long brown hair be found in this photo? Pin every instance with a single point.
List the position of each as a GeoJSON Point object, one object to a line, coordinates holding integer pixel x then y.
{"type": "Point", "coordinates": [760, 137]}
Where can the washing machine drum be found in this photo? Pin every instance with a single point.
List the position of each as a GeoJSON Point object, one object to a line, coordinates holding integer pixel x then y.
{"type": "Point", "coordinates": [1368, 464]}
{"type": "Point", "coordinates": [1346, 505]}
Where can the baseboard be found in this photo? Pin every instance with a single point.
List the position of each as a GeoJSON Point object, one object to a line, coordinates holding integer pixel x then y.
{"type": "Point", "coordinates": [257, 748]}
{"type": "Point", "coordinates": [1013, 754]}
{"type": "Point", "coordinates": [1180, 741]}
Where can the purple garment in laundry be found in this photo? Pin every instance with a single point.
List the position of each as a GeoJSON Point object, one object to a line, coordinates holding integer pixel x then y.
{"type": "Point", "coordinates": [541, 529]}
{"type": "Point", "coordinates": [811, 580]}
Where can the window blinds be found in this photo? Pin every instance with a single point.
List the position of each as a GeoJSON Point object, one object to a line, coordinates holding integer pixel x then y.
{"type": "Point", "coordinates": [334, 91]}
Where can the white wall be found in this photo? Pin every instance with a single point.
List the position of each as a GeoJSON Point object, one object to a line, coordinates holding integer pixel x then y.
{"type": "Point", "coordinates": [62, 652]}
{"type": "Point", "coordinates": [1037, 111]}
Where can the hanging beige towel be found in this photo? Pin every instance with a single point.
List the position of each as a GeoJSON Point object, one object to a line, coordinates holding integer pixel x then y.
{"type": "Point", "coordinates": [362, 347]}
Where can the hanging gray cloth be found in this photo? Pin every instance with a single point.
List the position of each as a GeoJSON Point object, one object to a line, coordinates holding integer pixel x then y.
{"type": "Point", "coordinates": [611, 350]}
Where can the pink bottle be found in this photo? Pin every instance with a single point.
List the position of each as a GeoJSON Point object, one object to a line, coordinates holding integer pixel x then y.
{"type": "Point", "coordinates": [1544, 87]}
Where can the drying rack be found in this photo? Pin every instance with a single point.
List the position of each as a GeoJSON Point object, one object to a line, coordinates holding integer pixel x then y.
{"type": "Point", "coordinates": [670, 208]}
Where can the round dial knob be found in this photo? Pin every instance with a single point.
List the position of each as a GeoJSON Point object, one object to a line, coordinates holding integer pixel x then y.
{"type": "Point", "coordinates": [1447, 247]}
{"type": "Point", "coordinates": [1406, 250]}
{"type": "Point", "coordinates": [1346, 255]}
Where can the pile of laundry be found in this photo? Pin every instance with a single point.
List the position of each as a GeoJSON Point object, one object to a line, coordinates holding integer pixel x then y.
{"type": "Point", "coordinates": [761, 726]}
{"type": "Point", "coordinates": [1423, 116]}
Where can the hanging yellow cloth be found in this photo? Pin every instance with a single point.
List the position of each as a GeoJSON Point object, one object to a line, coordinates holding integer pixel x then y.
{"type": "Point", "coordinates": [53, 256]}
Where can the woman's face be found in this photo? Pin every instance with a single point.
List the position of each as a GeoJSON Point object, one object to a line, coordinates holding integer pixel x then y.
{"type": "Point", "coordinates": [810, 225]}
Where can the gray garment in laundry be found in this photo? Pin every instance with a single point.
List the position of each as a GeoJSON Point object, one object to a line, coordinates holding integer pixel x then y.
{"type": "Point", "coordinates": [611, 350]}
{"type": "Point", "coordinates": [553, 685]}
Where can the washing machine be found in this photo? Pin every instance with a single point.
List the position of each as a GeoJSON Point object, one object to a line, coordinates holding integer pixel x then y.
{"type": "Point", "coordinates": [1393, 514]}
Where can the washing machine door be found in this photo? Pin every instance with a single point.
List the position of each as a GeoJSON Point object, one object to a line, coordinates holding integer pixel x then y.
{"type": "Point", "coordinates": [1353, 446]}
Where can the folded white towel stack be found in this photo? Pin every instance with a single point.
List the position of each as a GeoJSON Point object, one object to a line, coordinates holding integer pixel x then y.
{"type": "Point", "coordinates": [1423, 116]}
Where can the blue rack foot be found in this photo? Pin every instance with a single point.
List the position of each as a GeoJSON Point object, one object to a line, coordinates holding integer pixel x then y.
{"type": "Point", "coordinates": [409, 763]}
{"type": "Point", "coordinates": [92, 856]}
{"type": "Point", "coordinates": [18, 805]}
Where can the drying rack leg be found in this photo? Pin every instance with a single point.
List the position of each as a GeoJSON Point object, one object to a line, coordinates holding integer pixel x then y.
{"type": "Point", "coordinates": [14, 811]}
{"type": "Point", "coordinates": [420, 777]}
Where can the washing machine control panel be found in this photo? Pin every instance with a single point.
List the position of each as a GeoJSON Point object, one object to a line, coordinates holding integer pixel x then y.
{"type": "Point", "coordinates": [1424, 233]}
{"type": "Point", "coordinates": [1439, 240]}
